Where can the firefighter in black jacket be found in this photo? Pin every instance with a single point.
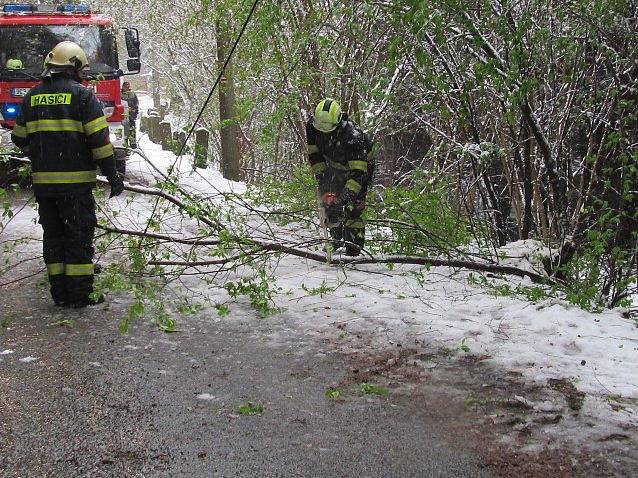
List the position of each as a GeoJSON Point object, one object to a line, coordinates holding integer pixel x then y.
{"type": "Point", "coordinates": [338, 154]}
{"type": "Point", "coordinates": [63, 130]}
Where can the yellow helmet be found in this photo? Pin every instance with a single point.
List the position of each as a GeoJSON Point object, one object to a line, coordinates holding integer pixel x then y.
{"type": "Point", "coordinates": [327, 115]}
{"type": "Point", "coordinates": [14, 64]}
{"type": "Point", "coordinates": [66, 54]}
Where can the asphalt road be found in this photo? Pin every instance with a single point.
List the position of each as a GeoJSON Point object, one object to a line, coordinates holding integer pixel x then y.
{"type": "Point", "coordinates": [87, 401]}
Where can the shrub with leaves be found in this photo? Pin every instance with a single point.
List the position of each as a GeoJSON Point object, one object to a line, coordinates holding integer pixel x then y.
{"type": "Point", "coordinates": [417, 219]}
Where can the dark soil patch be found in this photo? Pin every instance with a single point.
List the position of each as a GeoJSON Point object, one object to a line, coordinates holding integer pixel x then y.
{"type": "Point", "coordinates": [489, 412]}
{"type": "Point", "coordinates": [575, 399]}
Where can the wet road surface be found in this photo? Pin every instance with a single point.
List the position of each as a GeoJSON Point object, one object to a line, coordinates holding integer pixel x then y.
{"type": "Point", "coordinates": [79, 399]}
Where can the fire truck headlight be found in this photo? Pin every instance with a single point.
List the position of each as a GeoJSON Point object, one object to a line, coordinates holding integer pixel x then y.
{"type": "Point", "coordinates": [112, 137]}
{"type": "Point", "coordinates": [10, 111]}
{"type": "Point", "coordinates": [108, 111]}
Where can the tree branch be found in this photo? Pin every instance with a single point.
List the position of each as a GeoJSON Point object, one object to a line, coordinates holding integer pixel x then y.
{"type": "Point", "coordinates": [413, 260]}
{"type": "Point", "coordinates": [276, 247]}
{"type": "Point", "coordinates": [163, 237]}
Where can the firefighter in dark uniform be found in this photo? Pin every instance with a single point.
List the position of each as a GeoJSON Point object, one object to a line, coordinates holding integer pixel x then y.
{"type": "Point", "coordinates": [338, 153]}
{"type": "Point", "coordinates": [62, 128]}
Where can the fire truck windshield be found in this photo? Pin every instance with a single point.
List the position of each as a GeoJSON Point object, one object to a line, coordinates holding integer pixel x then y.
{"type": "Point", "coordinates": [23, 48]}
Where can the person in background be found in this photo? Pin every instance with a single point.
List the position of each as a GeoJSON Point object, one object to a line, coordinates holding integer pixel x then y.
{"type": "Point", "coordinates": [133, 109]}
{"type": "Point", "coordinates": [62, 129]}
{"type": "Point", "coordinates": [338, 153]}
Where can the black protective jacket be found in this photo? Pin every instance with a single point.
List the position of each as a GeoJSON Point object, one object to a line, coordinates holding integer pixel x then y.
{"type": "Point", "coordinates": [340, 160]}
{"type": "Point", "coordinates": [63, 130]}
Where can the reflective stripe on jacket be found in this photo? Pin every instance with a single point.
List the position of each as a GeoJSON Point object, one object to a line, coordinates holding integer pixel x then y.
{"type": "Point", "coordinates": [62, 127]}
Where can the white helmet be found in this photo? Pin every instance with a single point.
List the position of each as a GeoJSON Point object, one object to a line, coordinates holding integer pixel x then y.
{"type": "Point", "coordinates": [66, 54]}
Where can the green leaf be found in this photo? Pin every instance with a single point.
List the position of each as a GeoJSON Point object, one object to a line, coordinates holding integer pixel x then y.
{"type": "Point", "coordinates": [251, 409]}
{"type": "Point", "coordinates": [333, 393]}
{"type": "Point", "coordinates": [370, 389]}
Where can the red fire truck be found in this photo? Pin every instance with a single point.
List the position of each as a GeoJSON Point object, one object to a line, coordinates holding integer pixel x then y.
{"type": "Point", "coordinates": [28, 32]}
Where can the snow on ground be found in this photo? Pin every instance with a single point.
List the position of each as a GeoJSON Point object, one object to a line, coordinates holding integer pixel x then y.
{"type": "Point", "coordinates": [544, 340]}
{"type": "Point", "coordinates": [205, 182]}
{"type": "Point", "coordinates": [548, 339]}
{"type": "Point", "coordinates": [551, 339]}
{"type": "Point", "coordinates": [526, 255]}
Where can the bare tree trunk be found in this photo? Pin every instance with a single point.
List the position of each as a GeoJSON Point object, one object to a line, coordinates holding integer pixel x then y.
{"type": "Point", "coordinates": [528, 184]}
{"type": "Point", "coordinates": [541, 216]}
{"type": "Point", "coordinates": [155, 81]}
{"type": "Point", "coordinates": [229, 131]}
{"type": "Point", "coordinates": [316, 88]}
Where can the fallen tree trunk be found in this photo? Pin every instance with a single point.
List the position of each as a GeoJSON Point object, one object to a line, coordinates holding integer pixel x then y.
{"type": "Point", "coordinates": [274, 247]}
{"type": "Point", "coordinates": [256, 246]}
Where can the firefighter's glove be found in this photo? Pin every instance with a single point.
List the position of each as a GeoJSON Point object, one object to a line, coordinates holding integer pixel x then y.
{"type": "Point", "coordinates": [327, 199]}
{"type": "Point", "coordinates": [117, 185]}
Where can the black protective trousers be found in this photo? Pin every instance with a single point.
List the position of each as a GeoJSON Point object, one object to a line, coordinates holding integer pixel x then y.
{"type": "Point", "coordinates": [69, 224]}
{"type": "Point", "coordinates": [351, 229]}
